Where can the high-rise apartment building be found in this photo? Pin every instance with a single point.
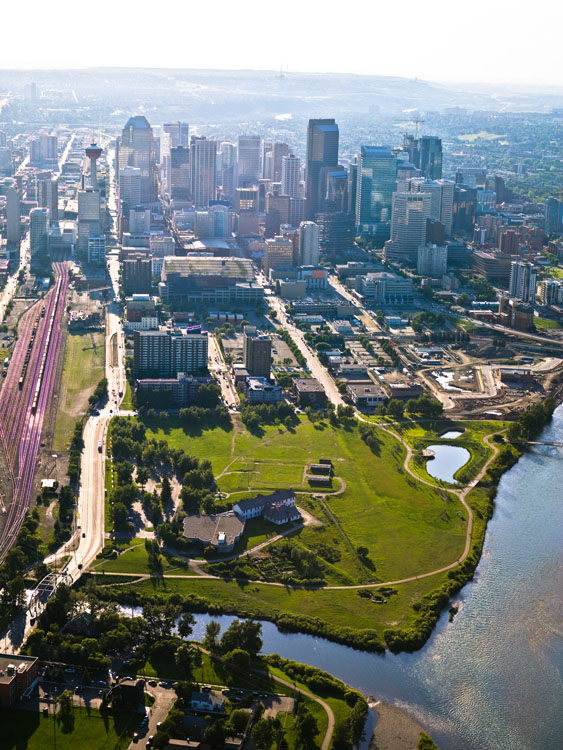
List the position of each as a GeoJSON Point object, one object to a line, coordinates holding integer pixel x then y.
{"type": "Point", "coordinates": [376, 182]}
{"type": "Point", "coordinates": [553, 213]}
{"type": "Point", "coordinates": [432, 261]}
{"type": "Point", "coordinates": [322, 151]}
{"type": "Point", "coordinates": [408, 226]}
{"type": "Point", "coordinates": [509, 242]}
{"type": "Point", "coordinates": [257, 352]}
{"type": "Point", "coordinates": [248, 160]}
{"type": "Point", "coordinates": [89, 218]}
{"type": "Point", "coordinates": [203, 164]}
{"type": "Point", "coordinates": [38, 230]}
{"type": "Point", "coordinates": [309, 235]}
{"type": "Point", "coordinates": [136, 148]}
{"type": "Point", "coordinates": [442, 198]}
{"type": "Point", "coordinates": [48, 197]}
{"type": "Point", "coordinates": [165, 352]}
{"type": "Point", "coordinates": [523, 279]}
{"type": "Point", "coordinates": [291, 176]}
{"type": "Point", "coordinates": [13, 216]}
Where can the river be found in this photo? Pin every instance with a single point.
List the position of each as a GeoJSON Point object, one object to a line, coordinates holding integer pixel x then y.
{"type": "Point", "coordinates": [492, 679]}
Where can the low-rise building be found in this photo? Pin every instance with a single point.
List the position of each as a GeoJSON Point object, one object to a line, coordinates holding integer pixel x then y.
{"type": "Point", "coordinates": [270, 507]}
{"type": "Point", "coordinates": [221, 531]}
{"type": "Point", "coordinates": [365, 396]}
{"type": "Point", "coordinates": [405, 390]}
{"type": "Point", "coordinates": [182, 389]}
{"type": "Point", "coordinates": [17, 674]}
{"type": "Point", "coordinates": [309, 392]}
{"type": "Point", "coordinates": [261, 391]}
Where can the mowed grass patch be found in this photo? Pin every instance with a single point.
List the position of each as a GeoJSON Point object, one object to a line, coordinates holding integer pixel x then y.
{"type": "Point", "coordinates": [84, 367]}
{"type": "Point", "coordinates": [336, 607]}
{"type": "Point", "coordinates": [133, 558]}
{"type": "Point", "coordinates": [92, 731]}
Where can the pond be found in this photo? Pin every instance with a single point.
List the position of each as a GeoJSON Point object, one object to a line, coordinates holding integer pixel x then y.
{"type": "Point", "coordinates": [451, 434]}
{"type": "Point", "coordinates": [447, 460]}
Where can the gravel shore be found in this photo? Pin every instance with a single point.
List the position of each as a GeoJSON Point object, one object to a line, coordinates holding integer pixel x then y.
{"type": "Point", "coordinates": [395, 730]}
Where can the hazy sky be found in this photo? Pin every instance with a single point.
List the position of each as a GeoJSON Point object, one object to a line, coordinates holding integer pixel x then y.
{"type": "Point", "coordinates": [441, 40]}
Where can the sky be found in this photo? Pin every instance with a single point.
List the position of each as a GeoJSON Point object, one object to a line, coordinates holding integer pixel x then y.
{"type": "Point", "coordinates": [489, 41]}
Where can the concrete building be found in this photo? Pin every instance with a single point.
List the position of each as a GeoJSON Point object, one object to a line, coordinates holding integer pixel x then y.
{"type": "Point", "coordinates": [97, 249]}
{"type": "Point", "coordinates": [38, 231]}
{"type": "Point", "coordinates": [48, 197]}
{"type": "Point", "coordinates": [291, 176]}
{"type": "Point", "coordinates": [365, 396]}
{"type": "Point", "coordinates": [13, 216]}
{"type": "Point", "coordinates": [248, 160]}
{"type": "Point", "coordinates": [522, 283]}
{"type": "Point", "coordinates": [385, 289]}
{"type": "Point", "coordinates": [203, 165]}
{"type": "Point", "coordinates": [279, 252]}
{"type": "Point", "coordinates": [259, 390]}
{"type": "Point", "coordinates": [432, 261]}
{"type": "Point", "coordinates": [257, 352]}
{"type": "Point", "coordinates": [89, 218]}
{"type": "Point", "coordinates": [166, 352]}
{"type": "Point", "coordinates": [137, 275]}
{"type": "Point", "coordinates": [181, 390]}
{"type": "Point", "coordinates": [309, 247]}
{"type": "Point", "coordinates": [551, 292]}
{"type": "Point", "coordinates": [309, 392]}
{"type": "Point", "coordinates": [322, 151]}
{"type": "Point", "coordinates": [207, 280]}
{"type": "Point", "coordinates": [408, 226]}
{"type": "Point", "coordinates": [279, 507]}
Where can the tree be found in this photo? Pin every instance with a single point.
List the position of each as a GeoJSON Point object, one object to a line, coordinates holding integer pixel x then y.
{"type": "Point", "coordinates": [209, 396]}
{"type": "Point", "coordinates": [186, 625]}
{"type": "Point", "coordinates": [395, 408]}
{"type": "Point", "coordinates": [306, 728]}
{"type": "Point", "coordinates": [160, 620]}
{"type": "Point", "coordinates": [142, 476]}
{"type": "Point", "coordinates": [183, 658]}
{"type": "Point", "coordinates": [214, 736]}
{"type": "Point", "coordinates": [237, 660]}
{"type": "Point", "coordinates": [211, 640]}
{"type": "Point", "coordinates": [65, 716]}
{"type": "Point", "coordinates": [166, 492]}
{"type": "Point", "coordinates": [119, 514]}
{"type": "Point", "coordinates": [362, 551]}
{"type": "Point", "coordinates": [242, 634]}
{"type": "Point", "coordinates": [263, 733]}
{"type": "Point", "coordinates": [342, 736]}
{"type": "Point", "coordinates": [238, 721]}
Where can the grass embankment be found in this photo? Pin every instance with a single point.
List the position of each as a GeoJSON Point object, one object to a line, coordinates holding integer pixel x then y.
{"type": "Point", "coordinates": [132, 557]}
{"type": "Point", "coordinates": [127, 403]}
{"type": "Point", "coordinates": [83, 369]}
{"type": "Point", "coordinates": [92, 730]}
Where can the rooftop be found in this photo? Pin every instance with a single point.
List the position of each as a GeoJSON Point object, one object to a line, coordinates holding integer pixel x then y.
{"type": "Point", "coordinates": [224, 528]}
{"type": "Point", "coordinates": [308, 385]}
{"type": "Point", "coordinates": [204, 265]}
{"type": "Point", "coordinates": [10, 664]}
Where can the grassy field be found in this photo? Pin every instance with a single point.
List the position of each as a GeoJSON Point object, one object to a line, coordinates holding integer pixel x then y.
{"type": "Point", "coordinates": [547, 323]}
{"type": "Point", "coordinates": [32, 731]}
{"type": "Point", "coordinates": [127, 403]}
{"type": "Point", "coordinates": [133, 558]}
{"type": "Point", "coordinates": [407, 527]}
{"type": "Point", "coordinates": [83, 369]}
{"type": "Point", "coordinates": [484, 135]}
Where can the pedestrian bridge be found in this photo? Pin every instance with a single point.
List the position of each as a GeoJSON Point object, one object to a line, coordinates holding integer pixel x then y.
{"type": "Point", "coordinates": [46, 588]}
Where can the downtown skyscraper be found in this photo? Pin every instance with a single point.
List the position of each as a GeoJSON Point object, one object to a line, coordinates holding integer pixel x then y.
{"type": "Point", "coordinates": [136, 149]}
{"type": "Point", "coordinates": [322, 151]}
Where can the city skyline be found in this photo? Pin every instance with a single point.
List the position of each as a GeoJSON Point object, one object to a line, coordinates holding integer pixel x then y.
{"type": "Point", "coordinates": [448, 31]}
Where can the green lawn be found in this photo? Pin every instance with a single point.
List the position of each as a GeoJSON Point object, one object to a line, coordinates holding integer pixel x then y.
{"type": "Point", "coordinates": [127, 403]}
{"type": "Point", "coordinates": [547, 323]}
{"type": "Point", "coordinates": [83, 369]}
{"type": "Point", "coordinates": [483, 134]}
{"type": "Point", "coordinates": [134, 559]}
{"type": "Point", "coordinates": [28, 730]}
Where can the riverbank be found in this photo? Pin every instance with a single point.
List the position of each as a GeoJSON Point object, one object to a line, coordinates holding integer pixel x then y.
{"type": "Point", "coordinates": [396, 729]}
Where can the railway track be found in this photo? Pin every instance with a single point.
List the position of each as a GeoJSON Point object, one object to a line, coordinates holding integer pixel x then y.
{"type": "Point", "coordinates": [26, 396]}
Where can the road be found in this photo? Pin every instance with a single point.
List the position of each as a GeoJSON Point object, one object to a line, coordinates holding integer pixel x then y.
{"type": "Point", "coordinates": [317, 370]}
{"type": "Point", "coordinates": [88, 539]}
{"type": "Point", "coordinates": [219, 369]}
{"type": "Point", "coordinates": [12, 282]}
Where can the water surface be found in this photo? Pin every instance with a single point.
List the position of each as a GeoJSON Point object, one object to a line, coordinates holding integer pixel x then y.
{"type": "Point", "coordinates": [447, 460]}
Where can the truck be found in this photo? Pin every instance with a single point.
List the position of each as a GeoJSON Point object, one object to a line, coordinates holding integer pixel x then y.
{"type": "Point", "coordinates": [99, 446]}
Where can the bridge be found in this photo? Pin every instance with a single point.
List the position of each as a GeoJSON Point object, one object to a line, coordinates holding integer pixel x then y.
{"type": "Point", "coordinates": [545, 442]}
{"type": "Point", "coordinates": [46, 588]}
